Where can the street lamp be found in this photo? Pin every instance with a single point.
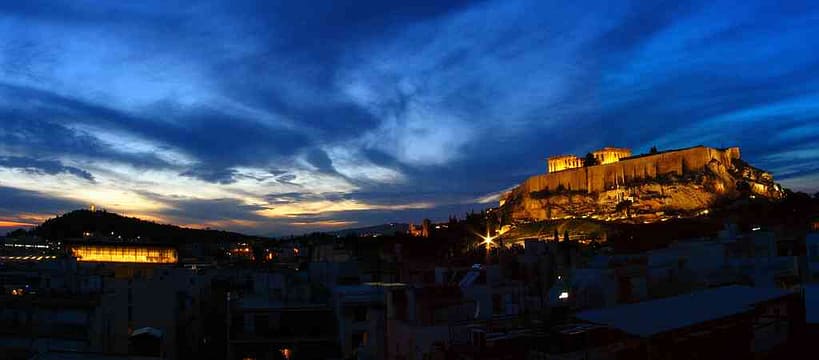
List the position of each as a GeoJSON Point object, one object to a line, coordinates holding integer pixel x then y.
{"type": "Point", "coordinates": [487, 240]}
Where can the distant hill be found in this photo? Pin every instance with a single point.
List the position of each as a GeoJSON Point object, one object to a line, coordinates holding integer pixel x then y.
{"type": "Point", "coordinates": [104, 225]}
{"type": "Point", "coordinates": [378, 230]}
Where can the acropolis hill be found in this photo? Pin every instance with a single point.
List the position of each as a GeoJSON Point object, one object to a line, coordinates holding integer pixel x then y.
{"type": "Point", "coordinates": [612, 184]}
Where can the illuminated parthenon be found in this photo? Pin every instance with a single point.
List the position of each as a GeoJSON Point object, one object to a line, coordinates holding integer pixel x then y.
{"type": "Point", "coordinates": [606, 155]}
{"type": "Point", "coordinates": [563, 162]}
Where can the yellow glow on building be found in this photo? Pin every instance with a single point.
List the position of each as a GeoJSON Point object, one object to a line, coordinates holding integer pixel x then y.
{"type": "Point", "coordinates": [287, 353]}
{"type": "Point", "coordinates": [125, 254]}
{"type": "Point", "coordinates": [563, 162]}
{"type": "Point", "coordinates": [608, 155]}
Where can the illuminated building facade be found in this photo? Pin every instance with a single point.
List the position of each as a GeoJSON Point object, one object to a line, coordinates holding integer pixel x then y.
{"type": "Point", "coordinates": [606, 155]}
{"type": "Point", "coordinates": [121, 253]}
{"type": "Point", "coordinates": [420, 231]}
{"type": "Point", "coordinates": [563, 162]}
{"type": "Point", "coordinates": [242, 251]}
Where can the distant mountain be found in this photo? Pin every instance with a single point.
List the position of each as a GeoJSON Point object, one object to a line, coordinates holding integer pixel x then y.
{"type": "Point", "coordinates": [102, 225]}
{"type": "Point", "coordinates": [377, 230]}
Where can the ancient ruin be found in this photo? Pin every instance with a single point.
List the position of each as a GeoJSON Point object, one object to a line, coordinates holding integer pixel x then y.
{"type": "Point", "coordinates": [649, 185]}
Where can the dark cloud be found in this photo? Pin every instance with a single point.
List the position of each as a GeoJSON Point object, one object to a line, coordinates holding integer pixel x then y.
{"type": "Point", "coordinates": [50, 167]}
{"type": "Point", "coordinates": [219, 176]}
{"type": "Point", "coordinates": [17, 201]}
{"type": "Point", "coordinates": [197, 210]}
{"type": "Point", "coordinates": [37, 123]}
{"type": "Point", "coordinates": [320, 160]}
{"type": "Point", "coordinates": [393, 103]}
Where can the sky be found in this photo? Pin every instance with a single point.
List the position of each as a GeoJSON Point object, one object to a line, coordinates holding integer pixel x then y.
{"type": "Point", "coordinates": [282, 117]}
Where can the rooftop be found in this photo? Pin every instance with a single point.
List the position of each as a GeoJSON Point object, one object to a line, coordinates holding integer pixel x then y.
{"type": "Point", "coordinates": [658, 316]}
{"type": "Point", "coordinates": [613, 148]}
{"type": "Point", "coordinates": [256, 302]}
{"type": "Point", "coordinates": [565, 156]}
{"type": "Point", "coordinates": [87, 356]}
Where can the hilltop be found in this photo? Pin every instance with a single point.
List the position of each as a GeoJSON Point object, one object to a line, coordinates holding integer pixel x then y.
{"type": "Point", "coordinates": [373, 231]}
{"type": "Point", "coordinates": [650, 187]}
{"type": "Point", "coordinates": [106, 225]}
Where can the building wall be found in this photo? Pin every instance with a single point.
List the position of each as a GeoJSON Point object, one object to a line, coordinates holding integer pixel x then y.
{"type": "Point", "coordinates": [156, 296]}
{"type": "Point", "coordinates": [50, 323]}
{"type": "Point", "coordinates": [606, 176]}
{"type": "Point", "coordinates": [611, 155]}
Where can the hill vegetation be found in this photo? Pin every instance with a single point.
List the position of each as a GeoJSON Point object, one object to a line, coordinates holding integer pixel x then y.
{"type": "Point", "coordinates": [110, 226]}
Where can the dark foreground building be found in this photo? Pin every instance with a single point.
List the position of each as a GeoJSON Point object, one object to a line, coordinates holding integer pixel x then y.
{"type": "Point", "coordinates": [732, 322]}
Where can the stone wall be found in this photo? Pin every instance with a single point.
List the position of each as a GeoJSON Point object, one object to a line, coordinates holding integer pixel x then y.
{"type": "Point", "coordinates": [604, 177]}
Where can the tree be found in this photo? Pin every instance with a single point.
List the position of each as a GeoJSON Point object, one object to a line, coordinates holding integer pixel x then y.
{"type": "Point", "coordinates": [566, 236]}
{"type": "Point", "coordinates": [17, 234]}
{"type": "Point", "coordinates": [590, 160]}
{"type": "Point", "coordinates": [653, 150]}
{"type": "Point", "coordinates": [541, 194]}
{"type": "Point", "coordinates": [557, 236]}
{"type": "Point", "coordinates": [743, 187]}
{"type": "Point", "coordinates": [624, 205]}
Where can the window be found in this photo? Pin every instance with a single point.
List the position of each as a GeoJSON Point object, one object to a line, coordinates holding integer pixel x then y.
{"type": "Point", "coordinates": [360, 313]}
{"type": "Point", "coordinates": [400, 301]}
{"type": "Point", "coordinates": [440, 315]}
{"type": "Point", "coordinates": [261, 323]}
{"type": "Point", "coordinates": [124, 254]}
{"type": "Point", "coordinates": [359, 339]}
{"type": "Point", "coordinates": [497, 306]}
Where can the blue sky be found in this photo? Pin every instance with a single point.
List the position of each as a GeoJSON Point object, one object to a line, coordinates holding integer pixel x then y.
{"type": "Point", "coordinates": [292, 116]}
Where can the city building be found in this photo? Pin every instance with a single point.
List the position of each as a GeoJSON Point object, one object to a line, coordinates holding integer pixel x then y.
{"type": "Point", "coordinates": [263, 328]}
{"type": "Point", "coordinates": [727, 322]}
{"type": "Point", "coordinates": [361, 315]}
{"type": "Point", "coordinates": [110, 252]}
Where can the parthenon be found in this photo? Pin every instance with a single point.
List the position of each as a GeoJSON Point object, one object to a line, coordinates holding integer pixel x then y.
{"type": "Point", "coordinates": [606, 155]}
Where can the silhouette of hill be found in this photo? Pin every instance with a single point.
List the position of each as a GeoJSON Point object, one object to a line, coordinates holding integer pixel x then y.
{"type": "Point", "coordinates": [103, 225]}
{"type": "Point", "coordinates": [377, 230]}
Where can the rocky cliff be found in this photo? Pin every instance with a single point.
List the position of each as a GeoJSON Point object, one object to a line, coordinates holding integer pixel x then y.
{"type": "Point", "coordinates": [656, 195]}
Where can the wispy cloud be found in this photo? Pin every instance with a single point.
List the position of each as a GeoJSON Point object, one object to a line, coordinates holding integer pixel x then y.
{"type": "Point", "coordinates": [271, 117]}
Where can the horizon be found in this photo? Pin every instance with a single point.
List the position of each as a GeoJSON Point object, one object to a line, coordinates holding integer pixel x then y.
{"type": "Point", "coordinates": [293, 118]}
{"type": "Point", "coordinates": [5, 230]}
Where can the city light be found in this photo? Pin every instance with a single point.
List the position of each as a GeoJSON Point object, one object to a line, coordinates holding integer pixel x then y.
{"type": "Point", "coordinates": [487, 240]}
{"type": "Point", "coordinates": [563, 295]}
{"type": "Point", "coordinates": [27, 258]}
{"type": "Point", "coordinates": [124, 254]}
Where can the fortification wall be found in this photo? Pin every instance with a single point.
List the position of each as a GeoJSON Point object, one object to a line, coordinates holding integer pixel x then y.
{"type": "Point", "coordinates": [603, 177]}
